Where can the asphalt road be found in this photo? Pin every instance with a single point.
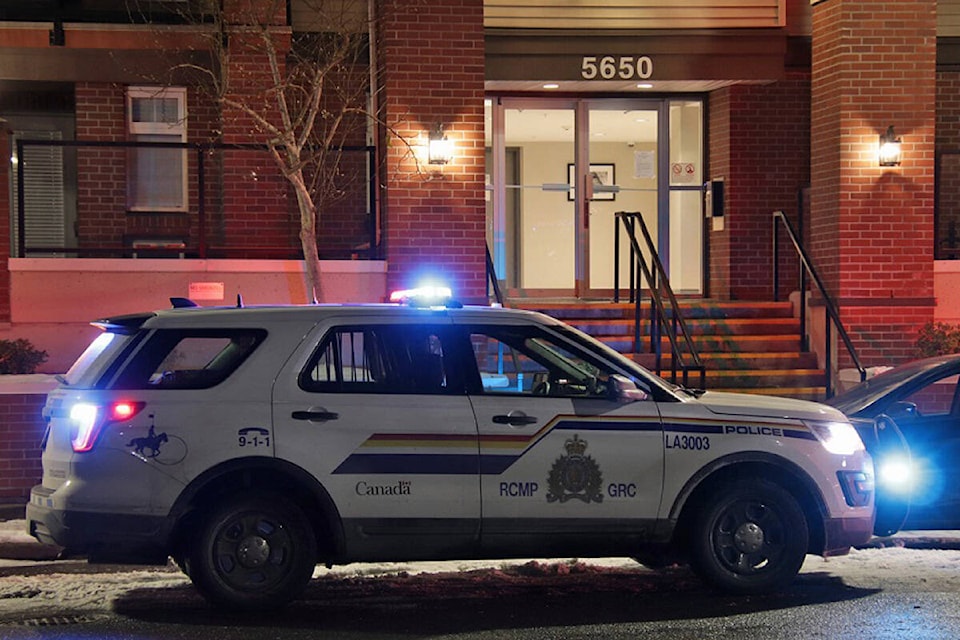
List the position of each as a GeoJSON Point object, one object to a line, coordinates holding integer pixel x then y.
{"type": "Point", "coordinates": [526, 603]}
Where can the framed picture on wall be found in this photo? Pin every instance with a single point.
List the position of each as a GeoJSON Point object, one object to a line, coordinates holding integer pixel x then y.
{"type": "Point", "coordinates": [601, 174]}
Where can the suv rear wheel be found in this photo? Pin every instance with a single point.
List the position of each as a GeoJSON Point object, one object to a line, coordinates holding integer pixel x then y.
{"type": "Point", "coordinates": [255, 552]}
{"type": "Point", "coordinates": [749, 536]}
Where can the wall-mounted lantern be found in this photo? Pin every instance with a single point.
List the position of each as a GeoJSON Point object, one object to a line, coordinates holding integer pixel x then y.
{"type": "Point", "coordinates": [440, 150]}
{"type": "Point", "coordinates": [890, 146]}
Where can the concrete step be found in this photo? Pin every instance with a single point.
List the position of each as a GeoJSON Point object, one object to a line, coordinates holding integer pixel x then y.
{"type": "Point", "coordinates": [741, 360]}
{"type": "Point", "coordinates": [695, 326]}
{"type": "Point", "coordinates": [567, 311]}
{"type": "Point", "coordinates": [751, 347]}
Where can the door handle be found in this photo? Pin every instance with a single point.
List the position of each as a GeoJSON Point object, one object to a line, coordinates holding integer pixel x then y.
{"type": "Point", "coordinates": [314, 416]}
{"type": "Point", "coordinates": [514, 419]}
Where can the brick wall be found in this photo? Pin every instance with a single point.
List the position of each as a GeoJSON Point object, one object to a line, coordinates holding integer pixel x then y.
{"type": "Point", "coordinates": [101, 171]}
{"type": "Point", "coordinates": [872, 227]}
{"type": "Point", "coordinates": [21, 430]}
{"type": "Point", "coordinates": [102, 216]}
{"type": "Point", "coordinates": [759, 139]}
{"type": "Point", "coordinates": [433, 71]}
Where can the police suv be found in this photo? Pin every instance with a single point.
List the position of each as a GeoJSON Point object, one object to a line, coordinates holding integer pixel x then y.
{"type": "Point", "coordinates": [251, 444]}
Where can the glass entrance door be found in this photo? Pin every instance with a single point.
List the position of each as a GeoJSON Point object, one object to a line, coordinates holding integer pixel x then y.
{"type": "Point", "coordinates": [560, 169]}
{"type": "Point", "coordinates": [532, 218]}
{"type": "Point", "coordinates": [623, 156]}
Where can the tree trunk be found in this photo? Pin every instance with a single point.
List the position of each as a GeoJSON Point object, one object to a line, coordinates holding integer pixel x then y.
{"type": "Point", "coordinates": [308, 238]}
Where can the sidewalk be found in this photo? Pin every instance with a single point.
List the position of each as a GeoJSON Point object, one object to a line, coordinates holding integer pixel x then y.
{"type": "Point", "coordinates": [15, 544]}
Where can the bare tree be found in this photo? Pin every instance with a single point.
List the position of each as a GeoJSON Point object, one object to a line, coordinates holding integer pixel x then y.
{"type": "Point", "coordinates": [305, 94]}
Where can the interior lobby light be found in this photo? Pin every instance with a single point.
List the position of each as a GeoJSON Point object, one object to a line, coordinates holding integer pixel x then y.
{"type": "Point", "coordinates": [440, 150]}
{"type": "Point", "coordinates": [890, 146]}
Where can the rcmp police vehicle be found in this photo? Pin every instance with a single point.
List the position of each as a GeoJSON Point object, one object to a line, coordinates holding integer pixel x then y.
{"type": "Point", "coordinates": [251, 444]}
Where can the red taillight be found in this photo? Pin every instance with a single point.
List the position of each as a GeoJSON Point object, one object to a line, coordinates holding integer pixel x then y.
{"type": "Point", "coordinates": [89, 420]}
{"type": "Point", "coordinates": [124, 410]}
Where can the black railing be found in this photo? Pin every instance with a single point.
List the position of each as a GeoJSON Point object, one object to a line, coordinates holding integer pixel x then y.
{"type": "Point", "coordinates": [492, 282]}
{"type": "Point", "coordinates": [664, 320]}
{"type": "Point", "coordinates": [346, 230]}
{"type": "Point", "coordinates": [833, 315]}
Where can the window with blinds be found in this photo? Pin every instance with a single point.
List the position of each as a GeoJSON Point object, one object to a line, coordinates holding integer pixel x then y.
{"type": "Point", "coordinates": [157, 177]}
{"type": "Point", "coordinates": [43, 193]}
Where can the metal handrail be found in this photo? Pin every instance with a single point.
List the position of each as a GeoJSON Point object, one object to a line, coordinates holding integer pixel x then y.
{"type": "Point", "coordinates": [832, 313]}
{"type": "Point", "coordinates": [659, 318]}
{"type": "Point", "coordinates": [492, 281]}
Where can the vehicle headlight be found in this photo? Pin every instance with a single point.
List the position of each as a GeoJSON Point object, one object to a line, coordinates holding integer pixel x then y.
{"type": "Point", "coordinates": [895, 473]}
{"type": "Point", "coordinates": [837, 437]}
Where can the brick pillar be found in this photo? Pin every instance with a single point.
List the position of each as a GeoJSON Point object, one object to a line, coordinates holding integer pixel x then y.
{"type": "Point", "coordinates": [432, 59]}
{"type": "Point", "coordinates": [874, 64]}
{"type": "Point", "coordinates": [760, 146]}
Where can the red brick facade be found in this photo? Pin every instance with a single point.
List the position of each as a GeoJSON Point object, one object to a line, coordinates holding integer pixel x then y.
{"type": "Point", "coordinates": [103, 220]}
{"type": "Point", "coordinates": [21, 430]}
{"type": "Point", "coordinates": [871, 227]}
{"type": "Point", "coordinates": [433, 69]}
{"type": "Point", "coordinates": [759, 144]}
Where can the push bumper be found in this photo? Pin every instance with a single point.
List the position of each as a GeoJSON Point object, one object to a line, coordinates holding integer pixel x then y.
{"type": "Point", "coordinates": [840, 534]}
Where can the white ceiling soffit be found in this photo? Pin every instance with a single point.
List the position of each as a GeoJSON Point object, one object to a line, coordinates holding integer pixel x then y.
{"type": "Point", "coordinates": [613, 86]}
{"type": "Point", "coordinates": [634, 14]}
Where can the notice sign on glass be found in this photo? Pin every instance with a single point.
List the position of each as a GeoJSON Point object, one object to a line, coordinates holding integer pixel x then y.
{"type": "Point", "coordinates": [206, 291]}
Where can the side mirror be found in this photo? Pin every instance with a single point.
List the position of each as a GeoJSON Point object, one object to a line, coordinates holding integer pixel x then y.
{"type": "Point", "coordinates": [902, 409]}
{"type": "Point", "coordinates": [625, 390]}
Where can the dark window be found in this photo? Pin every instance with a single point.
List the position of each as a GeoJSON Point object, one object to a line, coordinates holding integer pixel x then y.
{"type": "Point", "coordinates": [382, 359]}
{"type": "Point", "coordinates": [529, 361]}
{"type": "Point", "coordinates": [188, 359]}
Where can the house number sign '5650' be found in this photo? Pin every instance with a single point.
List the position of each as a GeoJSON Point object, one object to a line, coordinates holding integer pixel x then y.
{"type": "Point", "coordinates": [611, 67]}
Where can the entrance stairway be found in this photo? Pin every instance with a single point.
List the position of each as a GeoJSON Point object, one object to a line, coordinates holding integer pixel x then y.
{"type": "Point", "coordinates": [748, 347]}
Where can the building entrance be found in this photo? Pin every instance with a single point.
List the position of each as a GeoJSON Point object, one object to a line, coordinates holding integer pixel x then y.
{"type": "Point", "coordinates": [558, 169]}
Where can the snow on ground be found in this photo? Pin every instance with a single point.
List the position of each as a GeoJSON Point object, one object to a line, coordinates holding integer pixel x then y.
{"type": "Point", "coordinates": [31, 585]}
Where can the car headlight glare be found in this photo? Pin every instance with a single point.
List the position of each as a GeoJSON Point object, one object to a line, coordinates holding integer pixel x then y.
{"type": "Point", "coordinates": [837, 437]}
{"type": "Point", "coordinates": [895, 473]}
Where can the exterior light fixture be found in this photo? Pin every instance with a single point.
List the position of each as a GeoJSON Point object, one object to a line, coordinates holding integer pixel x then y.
{"type": "Point", "coordinates": [889, 148]}
{"type": "Point", "coordinates": [440, 150]}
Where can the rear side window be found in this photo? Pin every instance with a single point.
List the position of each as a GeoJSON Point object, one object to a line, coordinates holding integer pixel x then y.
{"type": "Point", "coordinates": [188, 359]}
{"type": "Point", "coordinates": [102, 354]}
{"type": "Point", "coordinates": [383, 359]}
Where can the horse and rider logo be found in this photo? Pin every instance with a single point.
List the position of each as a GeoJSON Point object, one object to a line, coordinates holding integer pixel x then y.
{"type": "Point", "coordinates": [149, 445]}
{"type": "Point", "coordinates": [575, 475]}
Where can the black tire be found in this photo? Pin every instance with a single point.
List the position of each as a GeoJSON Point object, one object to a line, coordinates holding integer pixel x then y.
{"type": "Point", "coordinates": [252, 553]}
{"type": "Point", "coordinates": [749, 536]}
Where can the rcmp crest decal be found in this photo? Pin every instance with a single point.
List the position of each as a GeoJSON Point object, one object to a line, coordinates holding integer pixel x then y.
{"type": "Point", "coordinates": [575, 476]}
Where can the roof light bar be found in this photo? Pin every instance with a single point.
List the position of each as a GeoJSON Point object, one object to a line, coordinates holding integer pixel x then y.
{"type": "Point", "coordinates": [426, 295]}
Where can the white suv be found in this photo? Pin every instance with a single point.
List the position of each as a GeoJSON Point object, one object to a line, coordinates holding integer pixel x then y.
{"type": "Point", "coordinates": [251, 444]}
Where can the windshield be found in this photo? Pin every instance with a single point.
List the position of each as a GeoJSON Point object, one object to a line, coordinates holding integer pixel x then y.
{"type": "Point", "coordinates": [95, 359]}
{"type": "Point", "coordinates": [873, 389]}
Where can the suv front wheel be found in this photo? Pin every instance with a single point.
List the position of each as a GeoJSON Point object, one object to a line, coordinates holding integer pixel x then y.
{"type": "Point", "coordinates": [255, 552]}
{"type": "Point", "coordinates": [749, 536]}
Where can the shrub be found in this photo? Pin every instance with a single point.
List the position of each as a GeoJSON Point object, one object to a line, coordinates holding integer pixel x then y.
{"type": "Point", "coordinates": [937, 339]}
{"type": "Point", "coordinates": [20, 356]}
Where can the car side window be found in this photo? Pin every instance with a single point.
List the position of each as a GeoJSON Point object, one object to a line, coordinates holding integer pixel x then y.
{"type": "Point", "coordinates": [382, 359]}
{"type": "Point", "coordinates": [528, 361]}
{"type": "Point", "coordinates": [936, 398]}
{"type": "Point", "coordinates": [188, 359]}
